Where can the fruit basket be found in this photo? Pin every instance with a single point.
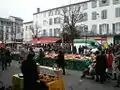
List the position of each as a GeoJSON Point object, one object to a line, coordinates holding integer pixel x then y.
{"type": "Point", "coordinates": [47, 78]}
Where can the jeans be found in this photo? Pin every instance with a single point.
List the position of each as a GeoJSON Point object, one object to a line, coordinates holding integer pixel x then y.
{"type": "Point", "coordinates": [4, 65]}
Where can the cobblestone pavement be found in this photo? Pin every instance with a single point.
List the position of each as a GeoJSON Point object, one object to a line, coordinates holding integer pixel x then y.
{"type": "Point", "coordinates": [71, 80]}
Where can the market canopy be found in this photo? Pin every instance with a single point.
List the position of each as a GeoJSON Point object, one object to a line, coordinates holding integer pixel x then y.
{"type": "Point", "coordinates": [46, 40]}
{"type": "Point", "coordinates": [89, 41]}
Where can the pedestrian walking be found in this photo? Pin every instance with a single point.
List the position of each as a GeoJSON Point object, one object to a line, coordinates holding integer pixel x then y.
{"type": "Point", "coordinates": [61, 61]}
{"type": "Point", "coordinates": [101, 65]}
{"type": "Point", "coordinates": [110, 58]}
{"type": "Point", "coordinates": [3, 59]}
{"type": "Point", "coordinates": [8, 56]}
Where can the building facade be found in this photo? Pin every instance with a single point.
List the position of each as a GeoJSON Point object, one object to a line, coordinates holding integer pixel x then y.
{"type": "Point", "coordinates": [11, 30]}
{"type": "Point", "coordinates": [28, 31]}
{"type": "Point", "coordinates": [102, 18]}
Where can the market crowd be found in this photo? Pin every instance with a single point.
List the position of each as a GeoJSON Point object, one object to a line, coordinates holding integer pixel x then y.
{"type": "Point", "coordinates": [106, 66]}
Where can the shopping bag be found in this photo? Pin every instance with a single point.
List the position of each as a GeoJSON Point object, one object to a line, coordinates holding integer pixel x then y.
{"type": "Point", "coordinates": [2, 87]}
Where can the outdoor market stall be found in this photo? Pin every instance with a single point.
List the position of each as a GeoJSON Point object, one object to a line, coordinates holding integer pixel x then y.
{"type": "Point", "coordinates": [53, 83]}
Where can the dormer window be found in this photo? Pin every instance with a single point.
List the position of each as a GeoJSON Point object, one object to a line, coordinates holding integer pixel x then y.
{"type": "Point", "coordinates": [104, 1]}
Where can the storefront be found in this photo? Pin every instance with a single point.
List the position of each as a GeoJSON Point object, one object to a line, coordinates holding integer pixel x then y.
{"type": "Point", "coordinates": [117, 39]}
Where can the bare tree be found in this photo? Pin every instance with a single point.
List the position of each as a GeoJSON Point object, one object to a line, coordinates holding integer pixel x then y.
{"type": "Point", "coordinates": [70, 17]}
{"type": "Point", "coordinates": [35, 31]}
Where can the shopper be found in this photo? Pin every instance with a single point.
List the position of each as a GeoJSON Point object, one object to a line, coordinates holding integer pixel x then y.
{"type": "Point", "coordinates": [101, 65]}
{"type": "Point", "coordinates": [30, 73]}
{"type": "Point", "coordinates": [61, 61]}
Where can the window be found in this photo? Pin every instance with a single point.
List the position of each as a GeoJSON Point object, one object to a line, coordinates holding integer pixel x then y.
{"type": "Point", "coordinates": [50, 13]}
{"type": "Point", "coordinates": [94, 29]}
{"type": "Point", "coordinates": [103, 3]}
{"type": "Point", "coordinates": [18, 31]}
{"type": "Point", "coordinates": [94, 4]}
{"type": "Point", "coordinates": [57, 12]}
{"type": "Point", "coordinates": [26, 28]}
{"type": "Point", "coordinates": [50, 32]}
{"type": "Point", "coordinates": [116, 2]}
{"type": "Point", "coordinates": [66, 19]}
{"type": "Point", "coordinates": [56, 31]}
{"type": "Point", "coordinates": [84, 6]}
{"type": "Point", "coordinates": [104, 14]}
{"type": "Point", "coordinates": [117, 28]}
{"type": "Point", "coordinates": [117, 12]}
{"type": "Point", "coordinates": [94, 15]}
{"type": "Point", "coordinates": [7, 33]}
{"type": "Point", "coordinates": [104, 29]}
{"type": "Point", "coordinates": [44, 14]}
{"type": "Point", "coordinates": [45, 22]}
{"type": "Point", "coordinates": [56, 20]}
{"type": "Point", "coordinates": [44, 32]}
{"type": "Point", "coordinates": [50, 22]}
{"type": "Point", "coordinates": [85, 17]}
{"type": "Point", "coordinates": [7, 29]}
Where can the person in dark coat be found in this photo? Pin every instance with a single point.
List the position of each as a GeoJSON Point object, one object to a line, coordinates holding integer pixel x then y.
{"type": "Point", "coordinates": [8, 56]}
{"type": "Point", "coordinates": [3, 59]}
{"type": "Point", "coordinates": [41, 56]}
{"type": "Point", "coordinates": [30, 73]}
{"type": "Point", "coordinates": [101, 65]}
{"type": "Point", "coordinates": [61, 61]}
{"type": "Point", "coordinates": [79, 49]}
{"type": "Point", "coordinates": [32, 52]}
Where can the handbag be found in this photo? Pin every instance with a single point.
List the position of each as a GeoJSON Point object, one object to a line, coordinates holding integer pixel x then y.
{"type": "Point", "coordinates": [2, 87]}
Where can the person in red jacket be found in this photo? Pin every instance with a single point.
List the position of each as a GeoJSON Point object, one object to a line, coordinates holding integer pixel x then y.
{"type": "Point", "coordinates": [110, 58]}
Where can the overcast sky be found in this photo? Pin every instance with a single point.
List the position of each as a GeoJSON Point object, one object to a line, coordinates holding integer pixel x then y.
{"type": "Point", "coordinates": [26, 8]}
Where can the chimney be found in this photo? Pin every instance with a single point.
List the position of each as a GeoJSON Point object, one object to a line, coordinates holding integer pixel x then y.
{"type": "Point", "coordinates": [38, 10]}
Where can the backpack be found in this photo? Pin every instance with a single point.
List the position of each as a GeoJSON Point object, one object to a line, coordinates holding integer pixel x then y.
{"type": "Point", "coordinates": [2, 87]}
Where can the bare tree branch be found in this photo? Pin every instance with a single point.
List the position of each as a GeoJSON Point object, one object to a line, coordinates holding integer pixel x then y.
{"type": "Point", "coordinates": [71, 15]}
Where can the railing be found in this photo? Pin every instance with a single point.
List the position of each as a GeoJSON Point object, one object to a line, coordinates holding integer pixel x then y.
{"type": "Point", "coordinates": [97, 35]}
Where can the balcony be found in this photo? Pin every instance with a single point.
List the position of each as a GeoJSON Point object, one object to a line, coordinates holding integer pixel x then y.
{"type": "Point", "coordinates": [93, 34]}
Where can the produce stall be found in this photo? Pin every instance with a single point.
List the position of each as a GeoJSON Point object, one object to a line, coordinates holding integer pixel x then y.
{"type": "Point", "coordinates": [52, 82]}
{"type": "Point", "coordinates": [73, 64]}
{"type": "Point", "coordinates": [73, 61]}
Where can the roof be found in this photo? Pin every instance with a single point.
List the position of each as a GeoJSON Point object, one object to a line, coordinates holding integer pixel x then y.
{"type": "Point", "coordinates": [62, 7]}
{"type": "Point", "coordinates": [5, 19]}
{"type": "Point", "coordinates": [28, 22]}
{"type": "Point", "coordinates": [17, 18]}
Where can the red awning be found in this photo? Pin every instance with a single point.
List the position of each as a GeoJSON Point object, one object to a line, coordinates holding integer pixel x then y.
{"type": "Point", "coordinates": [1, 45]}
{"type": "Point", "coordinates": [45, 40]}
{"type": "Point", "coordinates": [34, 40]}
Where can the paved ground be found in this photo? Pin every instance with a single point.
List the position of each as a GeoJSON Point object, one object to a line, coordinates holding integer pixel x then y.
{"type": "Point", "coordinates": [71, 80]}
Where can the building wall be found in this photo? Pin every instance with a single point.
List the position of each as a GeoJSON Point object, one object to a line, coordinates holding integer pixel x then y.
{"type": "Point", "coordinates": [111, 18]}
{"type": "Point", "coordinates": [18, 27]}
{"type": "Point", "coordinates": [10, 29]}
{"type": "Point", "coordinates": [27, 33]}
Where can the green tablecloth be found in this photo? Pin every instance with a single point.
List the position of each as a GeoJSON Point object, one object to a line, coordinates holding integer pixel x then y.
{"type": "Point", "coordinates": [71, 64]}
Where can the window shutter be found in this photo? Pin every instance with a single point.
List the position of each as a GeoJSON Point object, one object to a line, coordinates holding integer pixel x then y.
{"type": "Point", "coordinates": [100, 29]}
{"type": "Point", "coordinates": [107, 28]}
{"type": "Point", "coordinates": [113, 28]}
